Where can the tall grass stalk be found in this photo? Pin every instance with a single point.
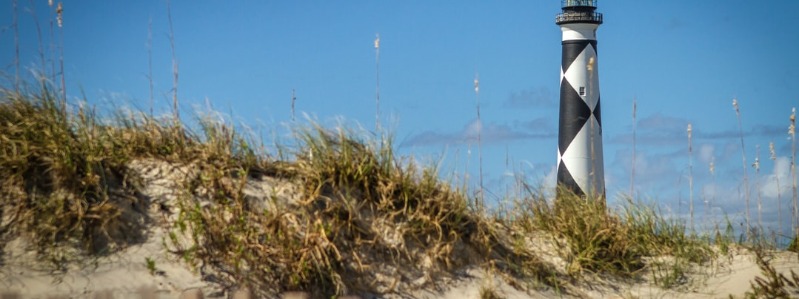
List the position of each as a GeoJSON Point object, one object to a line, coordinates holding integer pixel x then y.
{"type": "Point", "coordinates": [756, 165]}
{"type": "Point", "coordinates": [507, 170]}
{"type": "Point", "coordinates": [743, 159]}
{"type": "Point", "coordinates": [51, 44]}
{"type": "Point", "coordinates": [792, 133]}
{"type": "Point", "coordinates": [712, 170]}
{"type": "Point", "coordinates": [481, 203]}
{"type": "Point", "coordinates": [293, 101]}
{"type": "Point", "coordinates": [175, 110]}
{"type": "Point", "coordinates": [32, 11]}
{"type": "Point", "coordinates": [60, 20]}
{"type": "Point", "coordinates": [377, 83]}
{"type": "Point", "coordinates": [632, 166]}
{"type": "Point", "coordinates": [150, 62]}
{"type": "Point", "coordinates": [15, 24]}
{"type": "Point", "coordinates": [53, 73]}
{"type": "Point", "coordinates": [690, 176]}
{"type": "Point", "coordinates": [773, 157]}
{"type": "Point", "coordinates": [58, 50]}
{"type": "Point", "coordinates": [592, 174]}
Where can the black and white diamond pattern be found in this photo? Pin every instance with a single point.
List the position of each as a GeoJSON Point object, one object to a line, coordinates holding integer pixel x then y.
{"type": "Point", "coordinates": [580, 162]}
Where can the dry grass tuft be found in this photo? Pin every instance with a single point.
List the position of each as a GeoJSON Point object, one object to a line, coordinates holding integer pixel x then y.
{"type": "Point", "coordinates": [772, 284]}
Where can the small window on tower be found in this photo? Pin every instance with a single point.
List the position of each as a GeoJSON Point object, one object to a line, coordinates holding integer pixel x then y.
{"type": "Point", "coordinates": [582, 90]}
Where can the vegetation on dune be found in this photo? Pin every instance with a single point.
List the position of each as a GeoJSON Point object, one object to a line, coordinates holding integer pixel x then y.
{"type": "Point", "coordinates": [63, 176]}
{"type": "Point", "coordinates": [62, 181]}
{"type": "Point", "coordinates": [363, 220]}
{"type": "Point", "coordinates": [66, 185]}
{"type": "Point", "coordinates": [622, 243]}
{"type": "Point", "coordinates": [772, 284]}
{"type": "Point", "coordinates": [361, 210]}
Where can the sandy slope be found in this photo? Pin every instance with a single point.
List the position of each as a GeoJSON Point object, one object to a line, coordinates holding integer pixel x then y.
{"type": "Point", "coordinates": [125, 274]}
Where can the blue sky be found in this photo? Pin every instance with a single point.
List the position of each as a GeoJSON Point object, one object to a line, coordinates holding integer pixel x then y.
{"type": "Point", "coordinates": [684, 62]}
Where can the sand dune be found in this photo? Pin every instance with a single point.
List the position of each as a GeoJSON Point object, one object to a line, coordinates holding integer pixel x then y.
{"type": "Point", "coordinates": [125, 273]}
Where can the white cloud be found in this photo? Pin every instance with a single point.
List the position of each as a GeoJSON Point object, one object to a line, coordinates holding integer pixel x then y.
{"type": "Point", "coordinates": [551, 179]}
{"type": "Point", "coordinates": [490, 133]}
{"type": "Point", "coordinates": [780, 175]}
{"type": "Point", "coordinates": [706, 153]}
{"type": "Point", "coordinates": [531, 98]}
{"type": "Point", "coordinates": [660, 122]}
{"type": "Point", "coordinates": [710, 193]}
{"type": "Point", "coordinates": [473, 129]}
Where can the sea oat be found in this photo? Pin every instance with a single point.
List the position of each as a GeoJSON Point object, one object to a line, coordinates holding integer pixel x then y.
{"type": "Point", "coordinates": [792, 133]}
{"type": "Point", "coordinates": [175, 67]}
{"type": "Point", "coordinates": [632, 165]}
{"type": "Point", "coordinates": [773, 157]}
{"type": "Point", "coordinates": [756, 166]}
{"type": "Point", "coordinates": [377, 82]}
{"type": "Point", "coordinates": [772, 153]}
{"type": "Point", "coordinates": [15, 25]}
{"type": "Point", "coordinates": [479, 136]}
{"type": "Point", "coordinates": [60, 14]}
{"type": "Point", "coordinates": [293, 100]}
{"type": "Point", "coordinates": [743, 160]}
{"type": "Point", "coordinates": [690, 175]}
{"type": "Point", "coordinates": [712, 169]}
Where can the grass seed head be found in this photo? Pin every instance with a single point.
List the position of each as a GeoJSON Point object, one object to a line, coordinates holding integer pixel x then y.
{"type": "Point", "coordinates": [772, 152]}
{"type": "Point", "coordinates": [60, 14]}
{"type": "Point", "coordinates": [712, 166]}
{"type": "Point", "coordinates": [756, 165]}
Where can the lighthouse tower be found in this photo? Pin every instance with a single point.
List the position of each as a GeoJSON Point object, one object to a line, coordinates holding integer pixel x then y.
{"type": "Point", "coordinates": [580, 163]}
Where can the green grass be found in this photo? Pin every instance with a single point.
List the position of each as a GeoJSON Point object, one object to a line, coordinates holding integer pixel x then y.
{"type": "Point", "coordinates": [597, 240]}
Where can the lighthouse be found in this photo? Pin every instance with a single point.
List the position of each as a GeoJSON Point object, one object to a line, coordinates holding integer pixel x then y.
{"type": "Point", "coordinates": [580, 163]}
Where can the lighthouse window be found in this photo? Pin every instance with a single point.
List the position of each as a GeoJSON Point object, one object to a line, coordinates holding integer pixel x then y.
{"type": "Point", "coordinates": [582, 90]}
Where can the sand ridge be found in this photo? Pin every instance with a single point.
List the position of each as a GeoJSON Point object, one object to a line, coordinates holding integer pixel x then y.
{"type": "Point", "coordinates": [125, 274]}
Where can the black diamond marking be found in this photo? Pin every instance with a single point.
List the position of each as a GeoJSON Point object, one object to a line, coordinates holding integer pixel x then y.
{"type": "Point", "coordinates": [572, 49]}
{"type": "Point", "coordinates": [565, 180]}
{"type": "Point", "coordinates": [598, 114]}
{"type": "Point", "coordinates": [574, 113]}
